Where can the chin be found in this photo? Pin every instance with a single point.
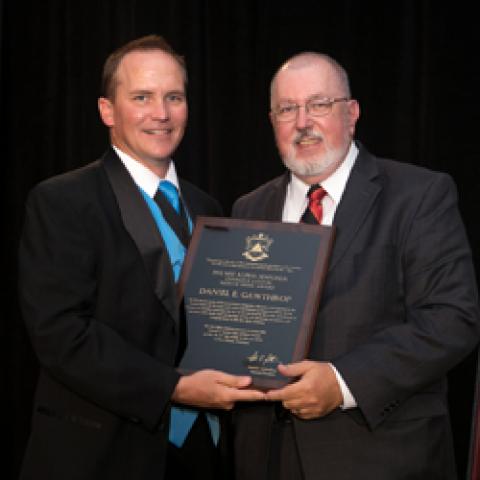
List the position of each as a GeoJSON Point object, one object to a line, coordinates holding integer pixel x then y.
{"type": "Point", "coordinates": [314, 164]}
{"type": "Point", "coordinates": [162, 153]}
{"type": "Point", "coordinates": [311, 167]}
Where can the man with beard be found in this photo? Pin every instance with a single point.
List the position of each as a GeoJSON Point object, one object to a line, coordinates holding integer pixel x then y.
{"type": "Point", "coordinates": [399, 306]}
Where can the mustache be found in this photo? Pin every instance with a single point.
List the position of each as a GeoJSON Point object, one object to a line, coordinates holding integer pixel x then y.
{"type": "Point", "coordinates": [306, 134]}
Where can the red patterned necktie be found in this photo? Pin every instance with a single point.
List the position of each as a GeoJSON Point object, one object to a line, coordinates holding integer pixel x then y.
{"type": "Point", "coordinates": [314, 212]}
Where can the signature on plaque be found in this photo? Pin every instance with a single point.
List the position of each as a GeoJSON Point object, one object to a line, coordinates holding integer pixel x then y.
{"type": "Point", "coordinates": [257, 358]}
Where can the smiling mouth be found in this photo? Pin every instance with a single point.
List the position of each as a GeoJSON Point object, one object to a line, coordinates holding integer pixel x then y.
{"type": "Point", "coordinates": [159, 131]}
{"type": "Point", "coordinates": [307, 140]}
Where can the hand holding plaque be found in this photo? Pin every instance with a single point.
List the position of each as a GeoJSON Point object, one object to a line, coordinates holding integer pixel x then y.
{"type": "Point", "coordinates": [251, 291]}
{"type": "Point", "coordinates": [214, 389]}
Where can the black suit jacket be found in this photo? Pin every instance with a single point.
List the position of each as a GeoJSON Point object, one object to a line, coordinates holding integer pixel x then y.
{"type": "Point", "coordinates": [399, 309]}
{"type": "Point", "coordinates": [99, 301]}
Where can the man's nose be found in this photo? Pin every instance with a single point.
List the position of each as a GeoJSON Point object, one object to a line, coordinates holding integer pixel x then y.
{"type": "Point", "coordinates": [160, 110]}
{"type": "Point", "coordinates": [303, 119]}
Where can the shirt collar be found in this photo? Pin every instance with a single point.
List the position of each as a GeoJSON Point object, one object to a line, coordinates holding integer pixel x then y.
{"type": "Point", "coordinates": [336, 182]}
{"type": "Point", "coordinates": [143, 176]}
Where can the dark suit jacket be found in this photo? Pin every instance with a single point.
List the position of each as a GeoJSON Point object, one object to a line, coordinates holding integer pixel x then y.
{"type": "Point", "coordinates": [399, 309]}
{"type": "Point", "coordinates": [99, 302]}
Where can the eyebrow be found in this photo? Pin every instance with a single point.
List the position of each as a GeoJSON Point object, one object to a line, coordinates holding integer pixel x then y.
{"type": "Point", "coordinates": [150, 92]}
{"type": "Point", "coordinates": [308, 99]}
{"type": "Point", "coordinates": [177, 92]}
{"type": "Point", "coordinates": [140, 91]}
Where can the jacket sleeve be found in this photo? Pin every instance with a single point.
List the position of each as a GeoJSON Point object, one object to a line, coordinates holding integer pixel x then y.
{"type": "Point", "coordinates": [59, 268]}
{"type": "Point", "coordinates": [439, 300]}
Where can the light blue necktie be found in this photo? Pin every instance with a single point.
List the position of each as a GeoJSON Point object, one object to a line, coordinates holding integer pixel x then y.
{"type": "Point", "coordinates": [170, 191]}
{"type": "Point", "coordinates": [181, 419]}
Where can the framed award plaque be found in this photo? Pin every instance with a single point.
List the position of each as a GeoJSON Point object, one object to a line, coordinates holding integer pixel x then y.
{"type": "Point", "coordinates": [251, 291]}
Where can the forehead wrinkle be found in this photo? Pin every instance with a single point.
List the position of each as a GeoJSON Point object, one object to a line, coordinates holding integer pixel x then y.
{"type": "Point", "coordinates": [313, 96]}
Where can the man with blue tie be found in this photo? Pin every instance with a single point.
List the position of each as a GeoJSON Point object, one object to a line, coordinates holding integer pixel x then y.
{"type": "Point", "coordinates": [100, 255]}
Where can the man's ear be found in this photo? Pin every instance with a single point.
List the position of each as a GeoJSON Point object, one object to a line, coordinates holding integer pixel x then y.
{"type": "Point", "coordinates": [105, 108]}
{"type": "Point", "coordinates": [353, 114]}
{"type": "Point", "coordinates": [272, 118]}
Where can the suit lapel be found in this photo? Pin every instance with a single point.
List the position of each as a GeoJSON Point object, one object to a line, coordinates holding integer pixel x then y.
{"type": "Point", "coordinates": [358, 198]}
{"type": "Point", "coordinates": [188, 198]}
{"type": "Point", "coordinates": [276, 198]}
{"type": "Point", "coordinates": [141, 226]}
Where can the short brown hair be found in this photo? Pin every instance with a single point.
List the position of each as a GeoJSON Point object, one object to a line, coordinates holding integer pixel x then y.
{"type": "Point", "coordinates": [149, 42]}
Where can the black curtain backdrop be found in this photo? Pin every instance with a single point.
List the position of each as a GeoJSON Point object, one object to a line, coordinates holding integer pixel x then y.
{"type": "Point", "coordinates": [413, 67]}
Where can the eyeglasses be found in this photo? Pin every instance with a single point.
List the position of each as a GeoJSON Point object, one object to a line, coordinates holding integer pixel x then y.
{"type": "Point", "coordinates": [316, 107]}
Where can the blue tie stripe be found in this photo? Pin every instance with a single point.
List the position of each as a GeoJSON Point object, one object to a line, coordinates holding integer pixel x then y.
{"type": "Point", "coordinates": [176, 250]}
{"type": "Point", "coordinates": [181, 419]}
{"type": "Point", "coordinates": [181, 422]}
{"type": "Point", "coordinates": [171, 193]}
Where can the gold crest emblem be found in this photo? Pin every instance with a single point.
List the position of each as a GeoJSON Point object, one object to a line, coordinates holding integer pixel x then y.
{"type": "Point", "coordinates": [256, 248]}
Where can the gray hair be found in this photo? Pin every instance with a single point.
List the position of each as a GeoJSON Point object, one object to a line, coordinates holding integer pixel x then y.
{"type": "Point", "coordinates": [304, 59]}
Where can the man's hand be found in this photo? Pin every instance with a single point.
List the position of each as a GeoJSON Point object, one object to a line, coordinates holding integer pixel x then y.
{"type": "Point", "coordinates": [314, 394]}
{"type": "Point", "coordinates": [214, 389]}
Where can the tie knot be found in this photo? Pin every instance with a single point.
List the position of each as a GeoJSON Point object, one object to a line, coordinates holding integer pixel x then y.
{"type": "Point", "coordinates": [170, 191]}
{"type": "Point", "coordinates": [314, 212]}
{"type": "Point", "coordinates": [316, 193]}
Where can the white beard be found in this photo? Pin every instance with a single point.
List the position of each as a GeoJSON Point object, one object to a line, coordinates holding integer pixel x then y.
{"type": "Point", "coordinates": [315, 165]}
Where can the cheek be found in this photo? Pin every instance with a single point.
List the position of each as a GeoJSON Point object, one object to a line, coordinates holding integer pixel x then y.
{"type": "Point", "coordinates": [283, 135]}
{"type": "Point", "coordinates": [136, 116]}
{"type": "Point", "coordinates": [180, 116]}
{"type": "Point", "coordinates": [132, 116]}
{"type": "Point", "coordinates": [335, 133]}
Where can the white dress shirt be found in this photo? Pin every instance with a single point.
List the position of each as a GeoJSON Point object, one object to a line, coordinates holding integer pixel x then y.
{"type": "Point", "coordinates": [296, 202]}
{"type": "Point", "coordinates": [143, 176]}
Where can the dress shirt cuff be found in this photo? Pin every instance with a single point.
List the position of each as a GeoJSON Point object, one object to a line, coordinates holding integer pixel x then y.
{"type": "Point", "coordinates": [348, 399]}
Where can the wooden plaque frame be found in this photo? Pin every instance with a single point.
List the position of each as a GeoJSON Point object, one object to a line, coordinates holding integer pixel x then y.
{"type": "Point", "coordinates": [294, 247]}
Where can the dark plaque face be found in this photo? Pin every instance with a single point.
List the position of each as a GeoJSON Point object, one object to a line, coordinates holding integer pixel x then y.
{"type": "Point", "coordinates": [251, 291]}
